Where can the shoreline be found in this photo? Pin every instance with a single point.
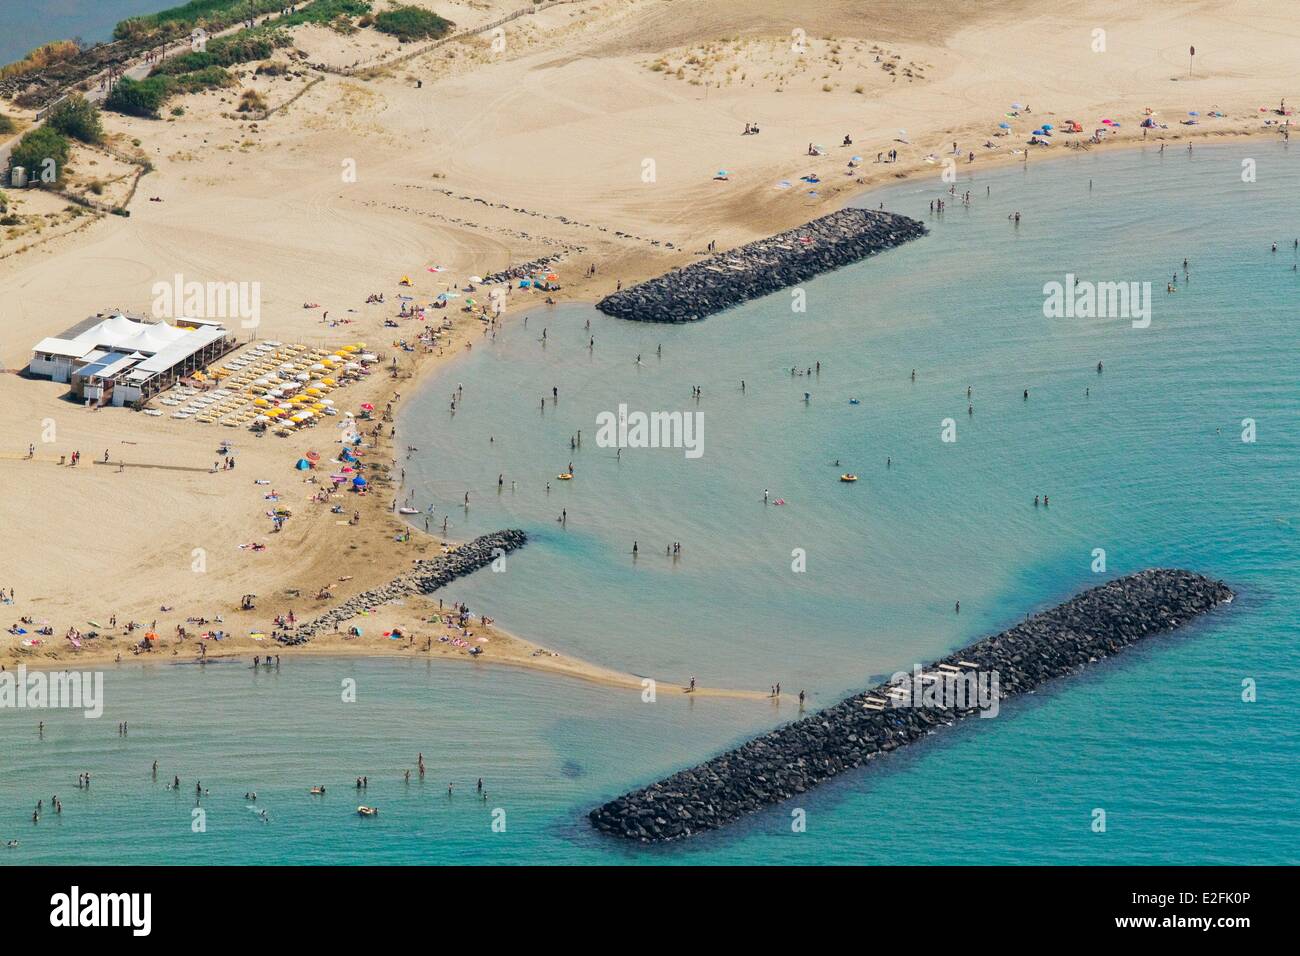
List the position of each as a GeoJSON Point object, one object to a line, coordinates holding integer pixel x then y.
{"type": "Point", "coordinates": [417, 375]}
{"type": "Point", "coordinates": [744, 211]}
{"type": "Point", "coordinates": [519, 653]}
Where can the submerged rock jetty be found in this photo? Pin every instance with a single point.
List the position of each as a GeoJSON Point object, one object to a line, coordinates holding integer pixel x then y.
{"type": "Point", "coordinates": [762, 267]}
{"type": "Point", "coordinates": [425, 576]}
{"type": "Point", "coordinates": [796, 757]}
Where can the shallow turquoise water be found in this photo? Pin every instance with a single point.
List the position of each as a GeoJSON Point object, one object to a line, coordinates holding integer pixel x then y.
{"type": "Point", "coordinates": [1149, 465]}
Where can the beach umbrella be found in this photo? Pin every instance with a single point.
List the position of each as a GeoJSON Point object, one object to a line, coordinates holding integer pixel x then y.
{"type": "Point", "coordinates": [358, 482]}
{"type": "Point", "coordinates": [1193, 113]}
{"type": "Point", "coordinates": [1047, 126]}
{"type": "Point", "coordinates": [1039, 132]}
{"type": "Point", "coordinates": [1004, 125]}
{"type": "Point", "coordinates": [475, 278]}
{"type": "Point", "coordinates": [1017, 106]}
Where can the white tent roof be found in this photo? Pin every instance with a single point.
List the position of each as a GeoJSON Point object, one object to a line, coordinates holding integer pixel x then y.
{"type": "Point", "coordinates": [166, 345]}
{"type": "Point", "coordinates": [58, 346]}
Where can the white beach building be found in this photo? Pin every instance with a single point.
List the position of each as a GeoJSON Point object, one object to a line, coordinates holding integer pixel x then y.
{"type": "Point", "coordinates": [122, 359]}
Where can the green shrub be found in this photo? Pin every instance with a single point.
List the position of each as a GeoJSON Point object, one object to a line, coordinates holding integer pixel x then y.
{"type": "Point", "coordinates": [7, 124]}
{"type": "Point", "coordinates": [184, 63]}
{"type": "Point", "coordinates": [139, 97]}
{"type": "Point", "coordinates": [36, 148]}
{"type": "Point", "coordinates": [328, 12]}
{"type": "Point", "coordinates": [208, 78]}
{"type": "Point", "coordinates": [77, 117]}
{"type": "Point", "coordinates": [213, 14]}
{"type": "Point", "coordinates": [412, 23]}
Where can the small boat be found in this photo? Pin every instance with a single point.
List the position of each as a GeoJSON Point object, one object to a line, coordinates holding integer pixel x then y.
{"type": "Point", "coordinates": [848, 477]}
{"type": "Point", "coordinates": [408, 511]}
{"type": "Point", "coordinates": [855, 401]}
{"type": "Point", "coordinates": [567, 476]}
{"type": "Point", "coordinates": [317, 790]}
{"type": "Point", "coordinates": [364, 811]}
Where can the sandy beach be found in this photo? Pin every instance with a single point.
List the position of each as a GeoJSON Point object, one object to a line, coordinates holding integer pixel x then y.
{"type": "Point", "coordinates": [596, 133]}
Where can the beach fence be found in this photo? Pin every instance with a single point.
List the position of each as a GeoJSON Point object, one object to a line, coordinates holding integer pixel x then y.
{"type": "Point", "coordinates": [48, 108]}
{"type": "Point", "coordinates": [463, 34]}
{"type": "Point", "coordinates": [268, 113]}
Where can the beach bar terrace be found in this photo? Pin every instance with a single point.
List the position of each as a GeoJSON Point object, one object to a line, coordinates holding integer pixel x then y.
{"type": "Point", "coordinates": [124, 359]}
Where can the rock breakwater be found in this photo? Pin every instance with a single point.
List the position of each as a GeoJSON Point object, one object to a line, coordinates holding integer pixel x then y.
{"type": "Point", "coordinates": [763, 267]}
{"type": "Point", "coordinates": [1095, 624]}
{"type": "Point", "coordinates": [425, 576]}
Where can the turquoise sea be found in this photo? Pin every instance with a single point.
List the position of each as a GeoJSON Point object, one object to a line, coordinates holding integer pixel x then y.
{"type": "Point", "coordinates": [1144, 460]}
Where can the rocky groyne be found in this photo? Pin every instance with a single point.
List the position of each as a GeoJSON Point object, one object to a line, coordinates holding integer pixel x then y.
{"type": "Point", "coordinates": [425, 576]}
{"type": "Point", "coordinates": [794, 758]}
{"type": "Point", "coordinates": [763, 267]}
